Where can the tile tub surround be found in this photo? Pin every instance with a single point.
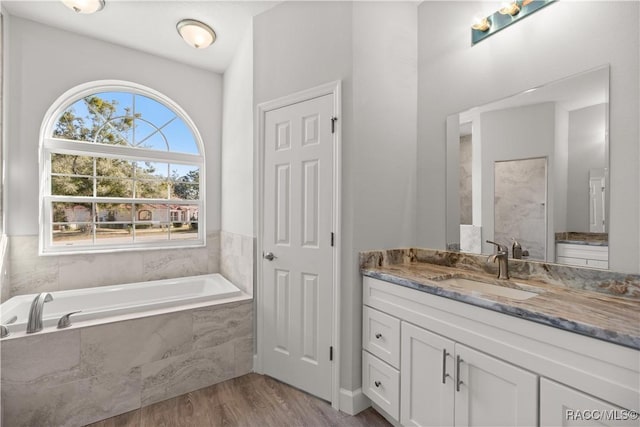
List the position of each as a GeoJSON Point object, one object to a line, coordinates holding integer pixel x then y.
{"type": "Point", "coordinates": [600, 315]}
{"type": "Point", "coordinates": [237, 259]}
{"type": "Point", "coordinates": [89, 373]}
{"type": "Point", "coordinates": [30, 273]}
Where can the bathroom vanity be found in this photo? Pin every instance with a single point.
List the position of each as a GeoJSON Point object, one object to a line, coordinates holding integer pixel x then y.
{"type": "Point", "coordinates": [583, 249]}
{"type": "Point", "coordinates": [446, 343]}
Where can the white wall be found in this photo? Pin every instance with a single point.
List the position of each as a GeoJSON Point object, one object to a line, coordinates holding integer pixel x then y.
{"type": "Point", "coordinates": [45, 62]}
{"type": "Point", "coordinates": [237, 141]}
{"type": "Point", "coordinates": [372, 48]}
{"type": "Point", "coordinates": [586, 151]}
{"type": "Point", "coordinates": [555, 42]}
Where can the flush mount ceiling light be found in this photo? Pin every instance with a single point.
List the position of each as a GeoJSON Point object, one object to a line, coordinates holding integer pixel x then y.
{"type": "Point", "coordinates": [84, 6]}
{"type": "Point", "coordinates": [196, 33]}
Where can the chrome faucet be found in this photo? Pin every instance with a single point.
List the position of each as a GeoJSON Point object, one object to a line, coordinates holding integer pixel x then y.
{"type": "Point", "coordinates": [36, 310]}
{"type": "Point", "coordinates": [503, 260]}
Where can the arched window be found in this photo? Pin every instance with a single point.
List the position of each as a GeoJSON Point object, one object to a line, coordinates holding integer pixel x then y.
{"type": "Point", "coordinates": [118, 161]}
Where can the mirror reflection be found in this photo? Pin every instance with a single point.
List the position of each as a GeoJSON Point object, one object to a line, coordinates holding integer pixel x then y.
{"type": "Point", "coordinates": [531, 172]}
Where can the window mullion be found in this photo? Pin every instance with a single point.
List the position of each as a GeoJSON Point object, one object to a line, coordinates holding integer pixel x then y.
{"type": "Point", "coordinates": [66, 146]}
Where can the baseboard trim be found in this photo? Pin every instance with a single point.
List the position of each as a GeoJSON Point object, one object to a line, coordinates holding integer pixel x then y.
{"type": "Point", "coordinates": [353, 402]}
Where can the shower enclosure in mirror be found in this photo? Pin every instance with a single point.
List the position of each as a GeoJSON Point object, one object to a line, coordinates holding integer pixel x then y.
{"type": "Point", "coordinates": [533, 168]}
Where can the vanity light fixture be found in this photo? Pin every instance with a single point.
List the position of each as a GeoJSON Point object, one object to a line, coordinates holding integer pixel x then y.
{"type": "Point", "coordinates": [84, 6]}
{"type": "Point", "coordinates": [509, 12]}
{"type": "Point", "coordinates": [481, 24]}
{"type": "Point", "coordinates": [512, 9]}
{"type": "Point", "coordinates": [196, 33]}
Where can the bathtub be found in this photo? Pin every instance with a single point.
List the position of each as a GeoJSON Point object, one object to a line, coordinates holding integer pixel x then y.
{"type": "Point", "coordinates": [104, 302]}
{"type": "Point", "coordinates": [131, 346]}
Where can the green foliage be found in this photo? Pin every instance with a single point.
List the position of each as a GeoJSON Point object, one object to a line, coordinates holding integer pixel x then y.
{"type": "Point", "coordinates": [113, 177]}
{"type": "Point", "coordinates": [186, 187]}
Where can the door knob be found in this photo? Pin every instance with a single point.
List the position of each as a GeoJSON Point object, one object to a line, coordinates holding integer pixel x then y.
{"type": "Point", "coordinates": [269, 256]}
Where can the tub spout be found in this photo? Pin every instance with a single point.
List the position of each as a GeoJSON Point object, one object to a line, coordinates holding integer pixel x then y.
{"type": "Point", "coordinates": [36, 311]}
{"type": "Point", "coordinates": [4, 331]}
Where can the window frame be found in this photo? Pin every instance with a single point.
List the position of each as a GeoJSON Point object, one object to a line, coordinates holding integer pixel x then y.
{"type": "Point", "coordinates": [50, 145]}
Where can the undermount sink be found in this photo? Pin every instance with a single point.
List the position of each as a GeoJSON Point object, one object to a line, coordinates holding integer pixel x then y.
{"type": "Point", "coordinates": [489, 288]}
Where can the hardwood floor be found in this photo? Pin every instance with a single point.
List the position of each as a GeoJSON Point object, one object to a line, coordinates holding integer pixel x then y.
{"type": "Point", "coordinates": [250, 400]}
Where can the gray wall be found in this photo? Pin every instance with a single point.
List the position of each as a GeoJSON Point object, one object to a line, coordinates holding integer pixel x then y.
{"type": "Point", "coordinates": [371, 47]}
{"type": "Point", "coordinates": [586, 151]}
{"type": "Point", "coordinates": [41, 68]}
{"type": "Point", "coordinates": [555, 42]}
{"type": "Point", "coordinates": [237, 141]}
{"type": "Point", "coordinates": [515, 134]}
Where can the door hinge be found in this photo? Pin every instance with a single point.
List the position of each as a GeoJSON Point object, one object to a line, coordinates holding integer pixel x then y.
{"type": "Point", "coordinates": [333, 124]}
{"type": "Point", "coordinates": [332, 238]}
{"type": "Point", "coordinates": [331, 353]}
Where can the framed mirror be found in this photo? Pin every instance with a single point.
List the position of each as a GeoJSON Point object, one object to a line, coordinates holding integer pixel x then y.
{"type": "Point", "coordinates": [532, 170]}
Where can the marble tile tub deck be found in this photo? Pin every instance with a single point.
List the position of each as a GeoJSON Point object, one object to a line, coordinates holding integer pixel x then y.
{"type": "Point", "coordinates": [88, 373]}
{"type": "Point", "coordinates": [595, 303]}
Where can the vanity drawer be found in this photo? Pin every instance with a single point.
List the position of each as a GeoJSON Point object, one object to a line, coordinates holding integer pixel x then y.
{"type": "Point", "coordinates": [582, 251]}
{"type": "Point", "coordinates": [381, 384]}
{"type": "Point", "coordinates": [582, 255]}
{"type": "Point", "coordinates": [381, 335]}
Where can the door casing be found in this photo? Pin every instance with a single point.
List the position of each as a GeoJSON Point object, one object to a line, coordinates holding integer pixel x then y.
{"type": "Point", "coordinates": [332, 88]}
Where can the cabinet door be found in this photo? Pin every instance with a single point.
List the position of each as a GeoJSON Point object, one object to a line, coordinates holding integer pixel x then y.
{"type": "Point", "coordinates": [426, 378]}
{"type": "Point", "coordinates": [490, 392]}
{"type": "Point", "coordinates": [564, 406]}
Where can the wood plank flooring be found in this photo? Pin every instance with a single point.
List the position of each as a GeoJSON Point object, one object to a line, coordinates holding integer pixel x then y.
{"type": "Point", "coordinates": [250, 400]}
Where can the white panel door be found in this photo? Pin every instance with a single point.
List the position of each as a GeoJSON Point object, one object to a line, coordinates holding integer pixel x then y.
{"type": "Point", "coordinates": [490, 392]}
{"type": "Point", "coordinates": [426, 378]}
{"type": "Point", "coordinates": [297, 272]}
{"type": "Point", "coordinates": [564, 406]}
{"type": "Point", "coordinates": [596, 204]}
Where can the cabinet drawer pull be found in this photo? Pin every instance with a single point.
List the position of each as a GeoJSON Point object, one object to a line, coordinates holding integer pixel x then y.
{"type": "Point", "coordinates": [445, 353]}
{"type": "Point", "coordinates": [458, 380]}
{"type": "Point", "coordinates": [377, 384]}
{"type": "Point", "coordinates": [378, 335]}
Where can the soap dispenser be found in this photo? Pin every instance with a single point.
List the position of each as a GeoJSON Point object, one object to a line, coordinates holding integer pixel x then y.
{"type": "Point", "coordinates": [516, 249]}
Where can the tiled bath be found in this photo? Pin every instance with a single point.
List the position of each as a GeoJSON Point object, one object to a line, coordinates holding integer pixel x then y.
{"type": "Point", "coordinates": [30, 273]}
{"type": "Point", "coordinates": [84, 374]}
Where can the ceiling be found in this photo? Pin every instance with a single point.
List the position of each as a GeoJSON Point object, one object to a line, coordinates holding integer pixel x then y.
{"type": "Point", "coordinates": [150, 25]}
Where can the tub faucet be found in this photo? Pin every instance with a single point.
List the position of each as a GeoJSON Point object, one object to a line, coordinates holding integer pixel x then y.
{"type": "Point", "coordinates": [36, 310]}
{"type": "Point", "coordinates": [503, 260]}
{"type": "Point", "coordinates": [4, 331]}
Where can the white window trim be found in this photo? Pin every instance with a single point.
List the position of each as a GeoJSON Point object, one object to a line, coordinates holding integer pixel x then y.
{"type": "Point", "coordinates": [49, 145]}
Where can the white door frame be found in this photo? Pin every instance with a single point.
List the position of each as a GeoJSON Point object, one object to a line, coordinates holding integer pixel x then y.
{"type": "Point", "coordinates": [332, 88]}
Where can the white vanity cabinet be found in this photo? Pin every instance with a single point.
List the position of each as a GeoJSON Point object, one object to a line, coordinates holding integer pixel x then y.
{"type": "Point", "coordinates": [427, 378]}
{"type": "Point", "coordinates": [444, 383]}
{"type": "Point", "coordinates": [464, 365]}
{"type": "Point", "coordinates": [381, 360]}
{"type": "Point", "coordinates": [563, 406]}
{"type": "Point", "coordinates": [582, 255]}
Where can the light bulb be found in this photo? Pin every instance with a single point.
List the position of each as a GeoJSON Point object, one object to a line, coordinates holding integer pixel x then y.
{"type": "Point", "coordinates": [84, 6]}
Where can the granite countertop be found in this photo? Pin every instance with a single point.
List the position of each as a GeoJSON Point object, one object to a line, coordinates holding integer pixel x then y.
{"type": "Point", "coordinates": [606, 317]}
